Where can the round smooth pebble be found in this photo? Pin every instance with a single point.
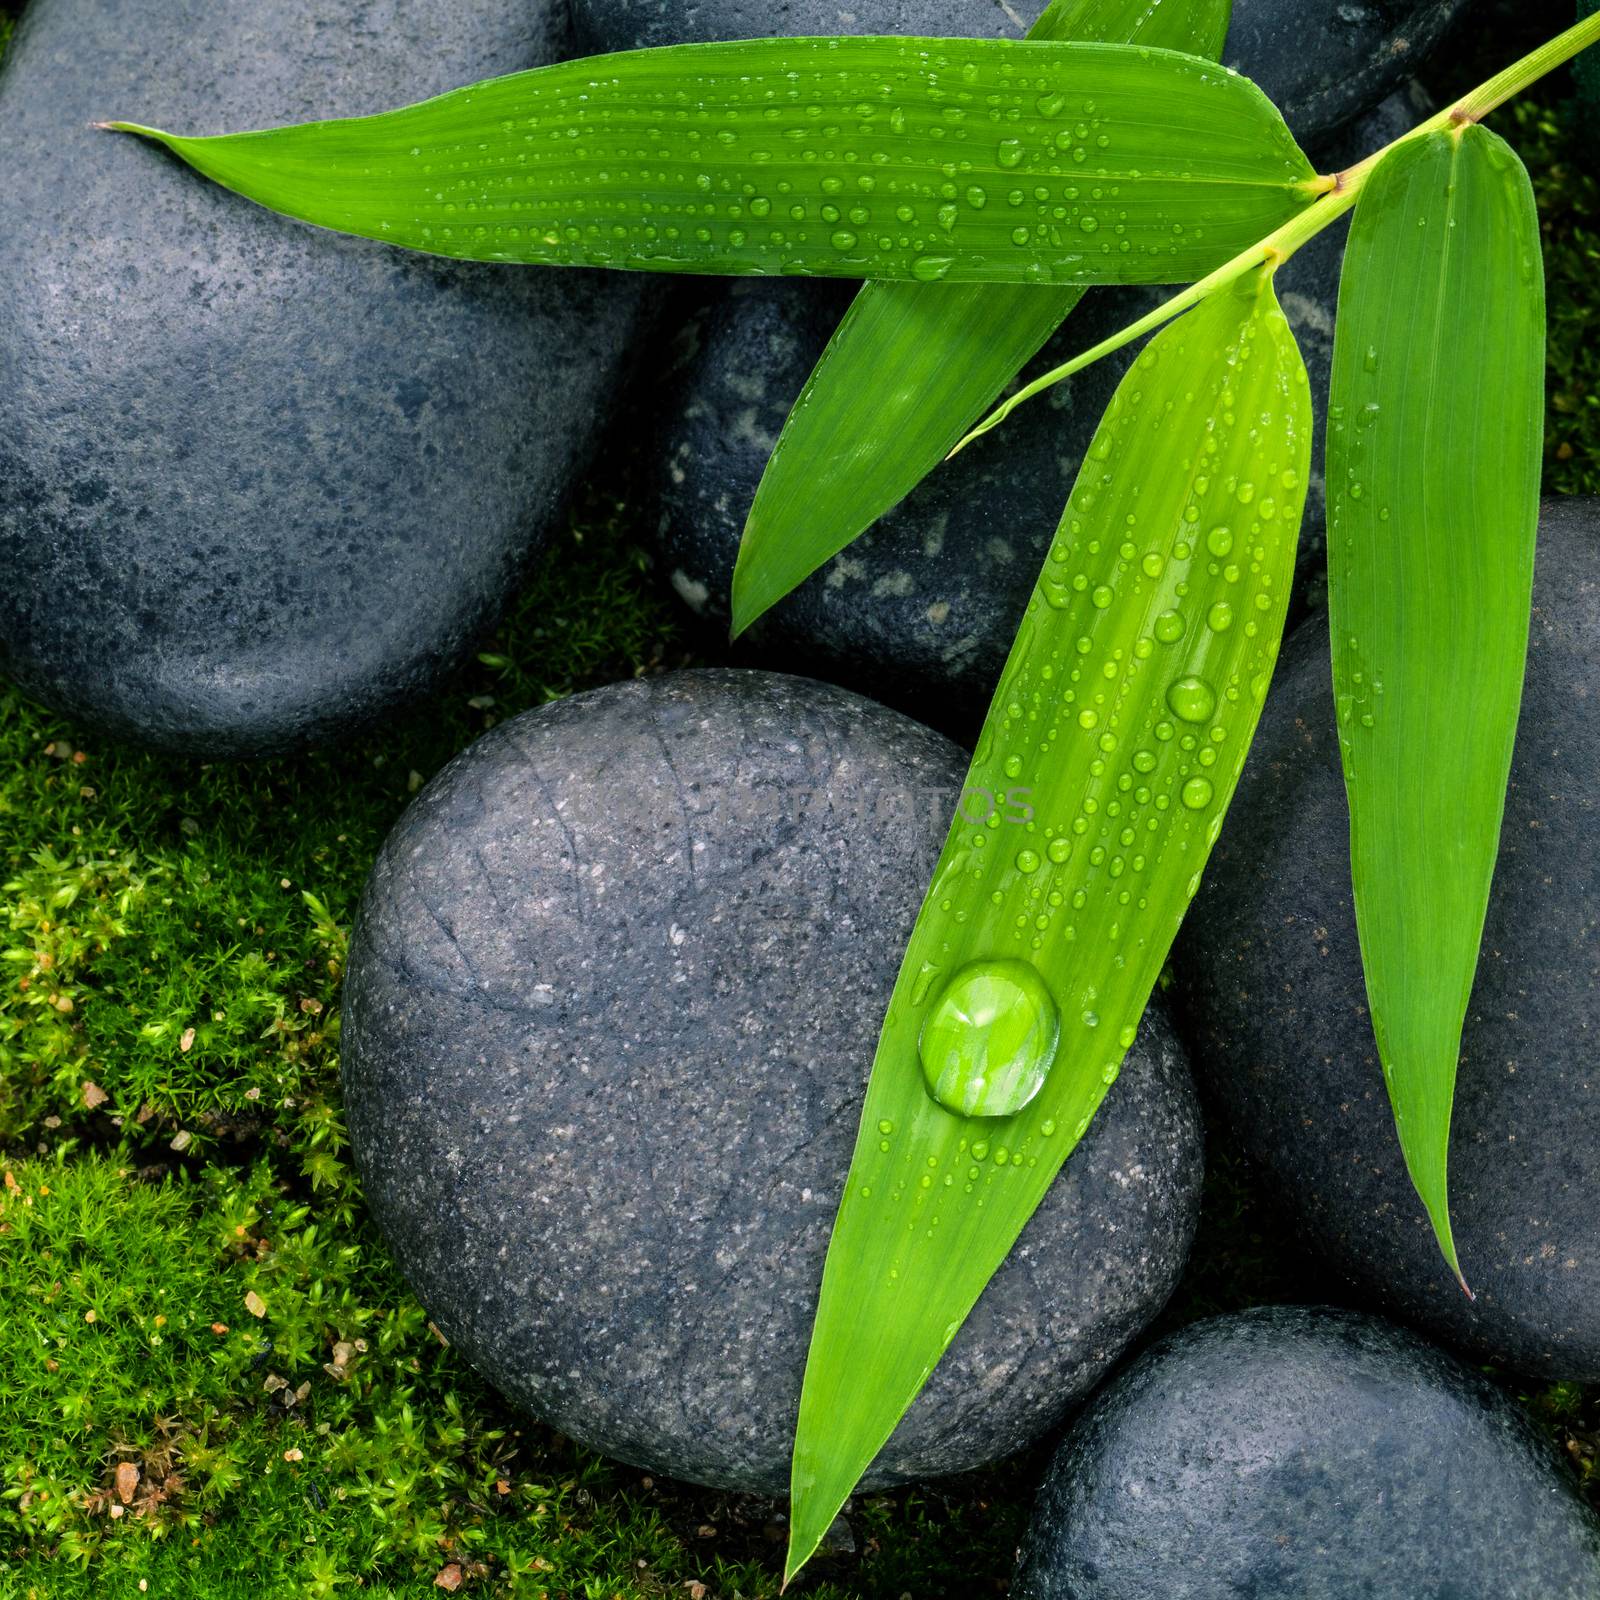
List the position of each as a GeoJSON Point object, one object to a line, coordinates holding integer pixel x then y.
{"type": "Point", "coordinates": [612, 1005]}
{"type": "Point", "coordinates": [260, 484]}
{"type": "Point", "coordinates": [1301, 1453]}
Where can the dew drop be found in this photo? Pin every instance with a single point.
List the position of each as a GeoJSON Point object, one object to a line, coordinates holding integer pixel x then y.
{"type": "Point", "coordinates": [1197, 793]}
{"type": "Point", "coordinates": [930, 269]}
{"type": "Point", "coordinates": [1169, 627]}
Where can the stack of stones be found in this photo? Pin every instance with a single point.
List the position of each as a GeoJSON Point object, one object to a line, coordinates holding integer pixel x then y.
{"type": "Point", "coordinates": [620, 969]}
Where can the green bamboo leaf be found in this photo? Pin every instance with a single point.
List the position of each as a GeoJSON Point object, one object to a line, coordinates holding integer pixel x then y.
{"type": "Point", "coordinates": [973, 160]}
{"type": "Point", "coordinates": [913, 363]}
{"type": "Point", "coordinates": [1110, 754]}
{"type": "Point", "coordinates": [1434, 443]}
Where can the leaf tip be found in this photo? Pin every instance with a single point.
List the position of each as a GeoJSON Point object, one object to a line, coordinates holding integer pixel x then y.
{"type": "Point", "coordinates": [1439, 1216]}
{"type": "Point", "coordinates": [136, 128]}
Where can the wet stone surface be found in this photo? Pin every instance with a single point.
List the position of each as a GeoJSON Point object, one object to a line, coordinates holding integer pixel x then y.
{"type": "Point", "coordinates": [1309, 1453]}
{"type": "Point", "coordinates": [260, 484]}
{"type": "Point", "coordinates": [611, 1010]}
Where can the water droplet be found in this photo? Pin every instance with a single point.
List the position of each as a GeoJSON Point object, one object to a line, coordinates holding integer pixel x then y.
{"type": "Point", "coordinates": [886, 1126]}
{"type": "Point", "coordinates": [1169, 627]}
{"type": "Point", "coordinates": [1220, 617]}
{"type": "Point", "coordinates": [1220, 541]}
{"type": "Point", "coordinates": [1089, 224]}
{"type": "Point", "coordinates": [930, 269]}
{"type": "Point", "coordinates": [1197, 793]}
{"type": "Point", "coordinates": [1010, 153]}
{"type": "Point", "coordinates": [989, 1040]}
{"type": "Point", "coordinates": [844, 240]}
{"type": "Point", "coordinates": [1102, 598]}
{"type": "Point", "coordinates": [1027, 861]}
{"type": "Point", "coordinates": [1192, 699]}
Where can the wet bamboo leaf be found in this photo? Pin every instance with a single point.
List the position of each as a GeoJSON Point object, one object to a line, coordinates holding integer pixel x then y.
{"type": "Point", "coordinates": [971, 160]}
{"type": "Point", "coordinates": [1109, 755]}
{"type": "Point", "coordinates": [1434, 442]}
{"type": "Point", "coordinates": [912, 364]}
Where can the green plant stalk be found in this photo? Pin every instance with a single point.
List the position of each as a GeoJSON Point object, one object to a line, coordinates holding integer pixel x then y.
{"type": "Point", "coordinates": [1339, 192]}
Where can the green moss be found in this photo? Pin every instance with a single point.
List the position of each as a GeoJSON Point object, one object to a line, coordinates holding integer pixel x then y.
{"type": "Point", "coordinates": [171, 941]}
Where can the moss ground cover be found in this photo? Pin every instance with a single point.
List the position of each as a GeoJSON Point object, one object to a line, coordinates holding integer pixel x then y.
{"type": "Point", "coordinates": [211, 1379]}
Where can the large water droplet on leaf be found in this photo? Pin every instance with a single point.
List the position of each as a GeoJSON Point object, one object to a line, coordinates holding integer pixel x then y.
{"type": "Point", "coordinates": [989, 1040]}
{"type": "Point", "coordinates": [1192, 699]}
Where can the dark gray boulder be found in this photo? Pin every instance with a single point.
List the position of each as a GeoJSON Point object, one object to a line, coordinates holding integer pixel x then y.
{"type": "Point", "coordinates": [612, 1004]}
{"type": "Point", "coordinates": [921, 610]}
{"type": "Point", "coordinates": [1306, 1454]}
{"type": "Point", "coordinates": [260, 484]}
{"type": "Point", "coordinates": [1322, 61]}
{"type": "Point", "coordinates": [1269, 977]}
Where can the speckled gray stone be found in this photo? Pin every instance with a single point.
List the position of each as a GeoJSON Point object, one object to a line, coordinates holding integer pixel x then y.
{"type": "Point", "coordinates": [1322, 61]}
{"type": "Point", "coordinates": [1306, 1454]}
{"type": "Point", "coordinates": [612, 1005]}
{"type": "Point", "coordinates": [258, 483]}
{"type": "Point", "coordinates": [922, 609]}
{"type": "Point", "coordinates": [1270, 978]}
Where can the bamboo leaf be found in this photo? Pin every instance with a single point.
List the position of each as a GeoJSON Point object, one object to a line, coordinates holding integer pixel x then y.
{"type": "Point", "coordinates": [1434, 444]}
{"type": "Point", "coordinates": [913, 363]}
{"type": "Point", "coordinates": [968, 160]}
{"type": "Point", "coordinates": [1109, 756]}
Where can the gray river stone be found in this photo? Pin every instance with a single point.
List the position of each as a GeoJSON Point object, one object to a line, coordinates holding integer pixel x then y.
{"type": "Point", "coordinates": [1323, 62]}
{"type": "Point", "coordinates": [1306, 1454]}
{"type": "Point", "coordinates": [921, 610]}
{"type": "Point", "coordinates": [260, 484]}
{"type": "Point", "coordinates": [1269, 977]}
{"type": "Point", "coordinates": [612, 1004]}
